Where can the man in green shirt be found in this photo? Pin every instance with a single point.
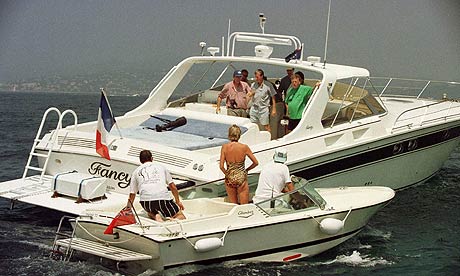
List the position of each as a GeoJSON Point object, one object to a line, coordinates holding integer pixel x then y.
{"type": "Point", "coordinates": [296, 100]}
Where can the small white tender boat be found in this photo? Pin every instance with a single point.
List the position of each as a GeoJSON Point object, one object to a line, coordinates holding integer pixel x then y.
{"type": "Point", "coordinates": [299, 224]}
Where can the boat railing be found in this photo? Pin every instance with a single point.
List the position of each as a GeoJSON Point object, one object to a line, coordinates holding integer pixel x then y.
{"type": "Point", "coordinates": [261, 38]}
{"type": "Point", "coordinates": [441, 106]}
{"type": "Point", "coordinates": [430, 113]}
{"type": "Point", "coordinates": [50, 142]}
{"type": "Point", "coordinates": [414, 88]}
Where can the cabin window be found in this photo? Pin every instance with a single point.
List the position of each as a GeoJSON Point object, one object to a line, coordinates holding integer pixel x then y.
{"type": "Point", "coordinates": [351, 99]}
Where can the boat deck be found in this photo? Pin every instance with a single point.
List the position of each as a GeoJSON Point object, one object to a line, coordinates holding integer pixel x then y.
{"type": "Point", "coordinates": [102, 250]}
{"type": "Point", "coordinates": [33, 191]}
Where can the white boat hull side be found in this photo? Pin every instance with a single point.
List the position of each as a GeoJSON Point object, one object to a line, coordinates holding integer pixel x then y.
{"type": "Point", "coordinates": [395, 171]}
{"type": "Point", "coordinates": [118, 173]}
{"type": "Point", "coordinates": [304, 252]}
{"type": "Point", "coordinates": [398, 172]}
{"type": "Point", "coordinates": [371, 164]}
{"type": "Point", "coordinates": [263, 242]}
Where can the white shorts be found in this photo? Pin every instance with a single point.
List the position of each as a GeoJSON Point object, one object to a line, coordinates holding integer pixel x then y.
{"type": "Point", "coordinates": [261, 116]}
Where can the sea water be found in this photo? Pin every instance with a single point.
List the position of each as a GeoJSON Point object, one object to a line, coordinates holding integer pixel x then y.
{"type": "Point", "coordinates": [416, 234]}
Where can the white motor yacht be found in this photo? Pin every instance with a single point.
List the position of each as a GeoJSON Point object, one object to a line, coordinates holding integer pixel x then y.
{"type": "Point", "coordinates": [288, 227]}
{"type": "Point", "coordinates": [355, 130]}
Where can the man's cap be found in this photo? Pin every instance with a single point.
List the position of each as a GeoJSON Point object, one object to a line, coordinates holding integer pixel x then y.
{"type": "Point", "coordinates": [280, 155]}
{"type": "Point", "coordinates": [237, 73]}
{"type": "Point", "coordinates": [290, 69]}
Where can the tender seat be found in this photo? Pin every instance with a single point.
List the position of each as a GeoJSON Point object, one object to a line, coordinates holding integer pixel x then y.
{"type": "Point", "coordinates": [200, 208]}
{"type": "Point", "coordinates": [204, 207]}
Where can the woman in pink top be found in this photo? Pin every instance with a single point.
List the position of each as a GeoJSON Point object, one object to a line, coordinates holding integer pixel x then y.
{"type": "Point", "coordinates": [234, 154]}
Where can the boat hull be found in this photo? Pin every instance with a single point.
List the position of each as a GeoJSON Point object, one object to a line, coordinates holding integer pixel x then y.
{"type": "Point", "coordinates": [281, 241]}
{"type": "Point", "coordinates": [394, 162]}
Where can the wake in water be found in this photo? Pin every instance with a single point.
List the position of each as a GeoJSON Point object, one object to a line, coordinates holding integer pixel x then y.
{"type": "Point", "coordinates": [356, 259]}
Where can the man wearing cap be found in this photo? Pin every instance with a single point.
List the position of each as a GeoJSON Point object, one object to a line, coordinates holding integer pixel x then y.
{"type": "Point", "coordinates": [235, 95]}
{"type": "Point", "coordinates": [274, 178]}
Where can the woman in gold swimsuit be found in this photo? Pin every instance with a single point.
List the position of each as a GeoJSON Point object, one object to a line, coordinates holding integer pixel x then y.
{"type": "Point", "coordinates": [233, 154]}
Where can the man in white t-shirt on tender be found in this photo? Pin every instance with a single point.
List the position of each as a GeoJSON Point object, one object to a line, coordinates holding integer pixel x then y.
{"type": "Point", "coordinates": [152, 182]}
{"type": "Point", "coordinates": [274, 178]}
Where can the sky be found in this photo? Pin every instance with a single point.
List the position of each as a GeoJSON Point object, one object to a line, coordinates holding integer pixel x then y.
{"type": "Point", "coordinates": [398, 38]}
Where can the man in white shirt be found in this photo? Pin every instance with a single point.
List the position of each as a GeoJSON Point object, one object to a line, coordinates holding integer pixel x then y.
{"type": "Point", "coordinates": [152, 182]}
{"type": "Point", "coordinates": [274, 178]}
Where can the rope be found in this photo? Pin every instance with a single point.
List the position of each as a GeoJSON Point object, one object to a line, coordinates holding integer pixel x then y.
{"type": "Point", "coordinates": [138, 219]}
{"type": "Point", "coordinates": [184, 235]}
{"type": "Point", "coordinates": [97, 212]}
{"type": "Point", "coordinates": [349, 211]}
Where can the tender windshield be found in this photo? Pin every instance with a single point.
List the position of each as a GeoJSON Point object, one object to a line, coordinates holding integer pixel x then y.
{"type": "Point", "coordinates": [303, 197]}
{"type": "Point", "coordinates": [351, 99]}
{"type": "Point", "coordinates": [215, 189]}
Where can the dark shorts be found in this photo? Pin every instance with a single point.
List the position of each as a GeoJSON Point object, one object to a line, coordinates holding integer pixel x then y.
{"type": "Point", "coordinates": [293, 123]}
{"type": "Point", "coordinates": [168, 208]}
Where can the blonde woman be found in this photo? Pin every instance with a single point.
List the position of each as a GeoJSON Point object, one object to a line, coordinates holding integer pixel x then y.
{"type": "Point", "coordinates": [233, 154]}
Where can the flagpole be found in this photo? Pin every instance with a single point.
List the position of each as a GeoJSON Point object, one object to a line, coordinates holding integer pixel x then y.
{"type": "Point", "coordinates": [107, 100]}
{"type": "Point", "coordinates": [138, 219]}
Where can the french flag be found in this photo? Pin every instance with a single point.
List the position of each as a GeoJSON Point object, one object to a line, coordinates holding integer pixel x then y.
{"type": "Point", "coordinates": [105, 122]}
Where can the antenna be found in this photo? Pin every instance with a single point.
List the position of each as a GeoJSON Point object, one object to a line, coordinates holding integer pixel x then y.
{"type": "Point", "coordinates": [327, 34]}
{"type": "Point", "coordinates": [228, 36]}
{"type": "Point", "coordinates": [202, 45]}
{"type": "Point", "coordinates": [262, 20]}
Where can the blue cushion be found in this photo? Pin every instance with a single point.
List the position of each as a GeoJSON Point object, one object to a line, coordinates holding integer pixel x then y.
{"type": "Point", "coordinates": [193, 126]}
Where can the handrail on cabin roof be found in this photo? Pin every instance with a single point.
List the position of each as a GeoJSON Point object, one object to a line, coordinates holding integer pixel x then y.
{"type": "Point", "coordinates": [265, 39]}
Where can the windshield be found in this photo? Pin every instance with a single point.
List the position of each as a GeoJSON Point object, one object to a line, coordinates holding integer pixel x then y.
{"type": "Point", "coordinates": [351, 99]}
{"type": "Point", "coordinates": [215, 189]}
{"type": "Point", "coordinates": [204, 81]}
{"type": "Point", "coordinates": [304, 196]}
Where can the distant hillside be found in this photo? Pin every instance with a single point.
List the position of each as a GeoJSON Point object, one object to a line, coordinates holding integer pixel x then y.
{"type": "Point", "coordinates": [117, 83]}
